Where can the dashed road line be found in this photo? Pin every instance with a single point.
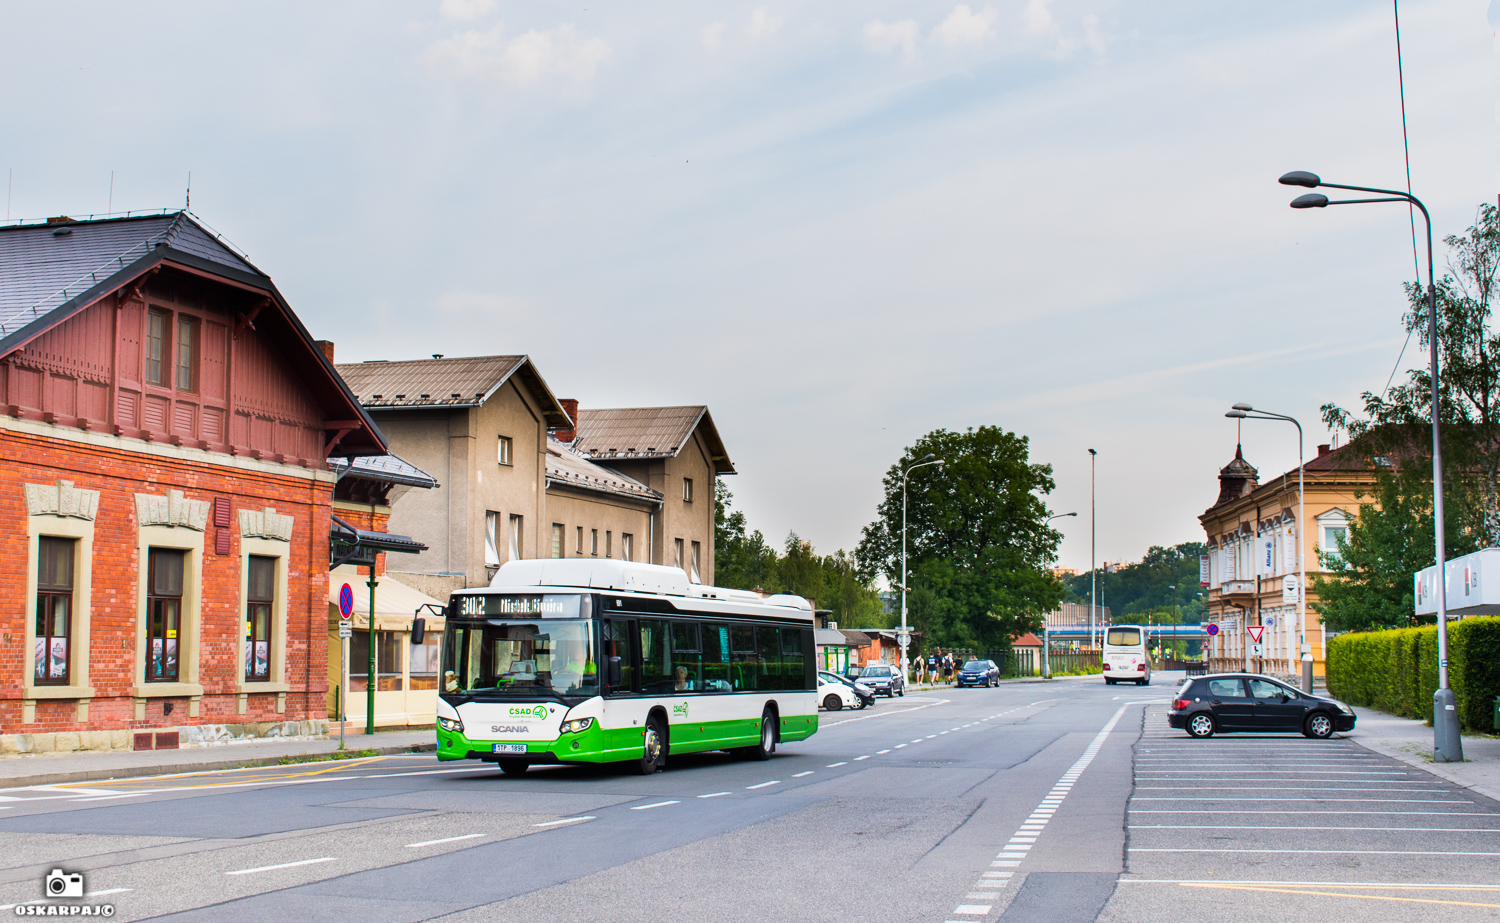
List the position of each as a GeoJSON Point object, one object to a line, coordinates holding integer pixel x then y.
{"type": "Point", "coordinates": [798, 775]}
{"type": "Point", "coordinates": [550, 823]}
{"type": "Point", "coordinates": [284, 865]}
{"type": "Point", "coordinates": [714, 795]}
{"type": "Point", "coordinates": [658, 804]}
{"type": "Point", "coordinates": [472, 836]}
{"type": "Point", "coordinates": [764, 784]}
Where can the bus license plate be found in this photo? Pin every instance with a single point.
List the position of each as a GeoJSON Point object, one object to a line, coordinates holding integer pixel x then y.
{"type": "Point", "coordinates": [509, 748]}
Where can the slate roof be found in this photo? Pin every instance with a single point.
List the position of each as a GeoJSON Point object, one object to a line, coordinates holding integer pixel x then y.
{"type": "Point", "coordinates": [43, 266]}
{"type": "Point", "coordinates": [646, 432]}
{"type": "Point", "coordinates": [50, 272]}
{"type": "Point", "coordinates": [390, 469]}
{"type": "Point", "coordinates": [566, 466]}
{"type": "Point", "coordinates": [467, 381]}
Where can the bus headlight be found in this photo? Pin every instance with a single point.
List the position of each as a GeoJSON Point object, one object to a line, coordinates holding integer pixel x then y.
{"type": "Point", "coordinates": [455, 725]}
{"type": "Point", "coordinates": [577, 725]}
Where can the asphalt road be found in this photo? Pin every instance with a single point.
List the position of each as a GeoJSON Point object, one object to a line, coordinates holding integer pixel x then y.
{"type": "Point", "coordinates": [976, 805]}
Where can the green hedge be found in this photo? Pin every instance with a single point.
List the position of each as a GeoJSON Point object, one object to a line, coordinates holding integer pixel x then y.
{"type": "Point", "coordinates": [1396, 671]}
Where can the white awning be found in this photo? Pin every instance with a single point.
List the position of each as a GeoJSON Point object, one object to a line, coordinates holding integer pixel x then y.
{"type": "Point", "coordinates": [395, 602]}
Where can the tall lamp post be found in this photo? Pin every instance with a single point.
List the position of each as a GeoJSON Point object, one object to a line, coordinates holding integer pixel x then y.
{"type": "Point", "coordinates": [1246, 412]}
{"type": "Point", "coordinates": [1093, 571]}
{"type": "Point", "coordinates": [1047, 629]}
{"type": "Point", "coordinates": [904, 638]}
{"type": "Point", "coordinates": [1447, 745]}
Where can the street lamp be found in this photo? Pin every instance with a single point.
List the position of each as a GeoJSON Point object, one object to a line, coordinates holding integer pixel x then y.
{"type": "Point", "coordinates": [1093, 571]}
{"type": "Point", "coordinates": [904, 638]}
{"type": "Point", "coordinates": [1246, 412]}
{"type": "Point", "coordinates": [1047, 629]}
{"type": "Point", "coordinates": [1447, 745]}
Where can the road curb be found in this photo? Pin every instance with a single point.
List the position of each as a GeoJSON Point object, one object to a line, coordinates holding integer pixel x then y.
{"type": "Point", "coordinates": [135, 772]}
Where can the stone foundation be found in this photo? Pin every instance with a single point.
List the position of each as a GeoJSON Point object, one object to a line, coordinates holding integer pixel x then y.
{"type": "Point", "coordinates": [202, 735]}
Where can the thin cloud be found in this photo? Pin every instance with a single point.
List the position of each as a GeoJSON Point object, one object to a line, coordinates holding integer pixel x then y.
{"type": "Point", "coordinates": [489, 57]}
{"type": "Point", "coordinates": [763, 24]}
{"type": "Point", "coordinates": [965, 27]}
{"type": "Point", "coordinates": [464, 10]}
{"type": "Point", "coordinates": [1037, 17]}
{"type": "Point", "coordinates": [885, 37]}
{"type": "Point", "coordinates": [713, 35]}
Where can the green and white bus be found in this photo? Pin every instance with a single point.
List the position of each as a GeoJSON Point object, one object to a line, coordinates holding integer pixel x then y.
{"type": "Point", "coordinates": [564, 661]}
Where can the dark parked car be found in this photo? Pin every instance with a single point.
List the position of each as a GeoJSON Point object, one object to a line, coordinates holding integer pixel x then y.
{"type": "Point", "coordinates": [979, 673]}
{"type": "Point", "coordinates": [865, 693]}
{"type": "Point", "coordinates": [1248, 702]}
{"type": "Point", "coordinates": [884, 680]}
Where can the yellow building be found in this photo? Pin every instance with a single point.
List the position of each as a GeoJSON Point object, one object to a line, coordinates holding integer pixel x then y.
{"type": "Point", "coordinates": [1254, 538]}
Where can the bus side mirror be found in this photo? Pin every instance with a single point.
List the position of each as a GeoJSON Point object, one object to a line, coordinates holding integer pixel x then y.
{"type": "Point", "coordinates": [418, 628]}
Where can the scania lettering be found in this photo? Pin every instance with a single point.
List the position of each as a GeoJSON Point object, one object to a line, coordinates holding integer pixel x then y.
{"type": "Point", "coordinates": [590, 662]}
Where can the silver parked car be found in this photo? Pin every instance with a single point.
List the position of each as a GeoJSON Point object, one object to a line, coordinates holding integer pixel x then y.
{"type": "Point", "coordinates": [885, 680]}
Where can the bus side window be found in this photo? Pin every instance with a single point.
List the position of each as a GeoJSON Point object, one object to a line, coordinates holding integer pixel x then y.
{"type": "Point", "coordinates": [656, 669]}
{"type": "Point", "coordinates": [619, 655]}
{"type": "Point", "coordinates": [716, 658]}
{"type": "Point", "coordinates": [772, 670]}
{"type": "Point", "coordinates": [742, 658]}
{"type": "Point", "coordinates": [686, 660]}
{"type": "Point", "coordinates": [793, 660]}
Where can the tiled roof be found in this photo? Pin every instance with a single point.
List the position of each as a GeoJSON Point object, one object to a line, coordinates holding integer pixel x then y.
{"type": "Point", "coordinates": [45, 266]}
{"type": "Point", "coordinates": [646, 432]}
{"type": "Point", "coordinates": [466, 381]}
{"type": "Point", "coordinates": [566, 466]}
{"type": "Point", "coordinates": [391, 469]}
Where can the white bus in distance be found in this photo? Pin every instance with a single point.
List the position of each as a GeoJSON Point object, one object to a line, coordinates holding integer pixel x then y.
{"type": "Point", "coordinates": [1125, 657]}
{"type": "Point", "coordinates": [587, 661]}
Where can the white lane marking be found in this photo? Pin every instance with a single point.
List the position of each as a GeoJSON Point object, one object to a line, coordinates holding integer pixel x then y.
{"type": "Point", "coordinates": [977, 910]}
{"type": "Point", "coordinates": [884, 714]}
{"type": "Point", "coordinates": [858, 758]}
{"type": "Point", "coordinates": [659, 804]}
{"type": "Point", "coordinates": [472, 836]}
{"type": "Point", "coordinates": [930, 736]}
{"type": "Point", "coordinates": [798, 775]}
{"type": "Point", "coordinates": [1200, 800]}
{"type": "Point", "coordinates": [713, 794]}
{"type": "Point", "coordinates": [764, 784]}
{"type": "Point", "coordinates": [1443, 886]}
{"type": "Point", "coordinates": [1311, 829]}
{"type": "Point", "coordinates": [1330, 852]}
{"type": "Point", "coordinates": [881, 752]}
{"type": "Point", "coordinates": [284, 865]}
{"type": "Point", "coordinates": [836, 765]}
{"type": "Point", "coordinates": [550, 823]}
{"type": "Point", "coordinates": [1381, 813]}
{"type": "Point", "coordinates": [917, 741]}
{"type": "Point", "coordinates": [899, 746]}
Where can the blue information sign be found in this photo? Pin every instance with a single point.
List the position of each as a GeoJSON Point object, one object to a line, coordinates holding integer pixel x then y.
{"type": "Point", "coordinates": [346, 601]}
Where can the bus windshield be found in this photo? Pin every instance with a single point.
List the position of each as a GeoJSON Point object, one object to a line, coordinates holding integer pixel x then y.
{"type": "Point", "coordinates": [503, 657]}
{"type": "Point", "coordinates": [1123, 637]}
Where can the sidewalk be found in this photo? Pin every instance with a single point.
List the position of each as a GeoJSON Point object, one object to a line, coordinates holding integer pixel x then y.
{"type": "Point", "coordinates": [79, 766]}
{"type": "Point", "coordinates": [1410, 741]}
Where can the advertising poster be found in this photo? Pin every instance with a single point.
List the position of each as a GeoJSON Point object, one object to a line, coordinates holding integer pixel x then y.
{"type": "Point", "coordinates": [262, 658]}
{"type": "Point", "coordinates": [155, 656]}
{"type": "Point", "coordinates": [41, 658]}
{"type": "Point", "coordinates": [59, 658]}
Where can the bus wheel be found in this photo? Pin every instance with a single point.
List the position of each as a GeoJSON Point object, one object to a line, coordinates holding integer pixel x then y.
{"type": "Point", "coordinates": [514, 767]}
{"type": "Point", "coordinates": [767, 745]}
{"type": "Point", "coordinates": [653, 748]}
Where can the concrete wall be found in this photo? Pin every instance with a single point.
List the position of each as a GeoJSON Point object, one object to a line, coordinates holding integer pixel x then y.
{"type": "Point", "coordinates": [679, 519]}
{"type": "Point", "coordinates": [590, 511]}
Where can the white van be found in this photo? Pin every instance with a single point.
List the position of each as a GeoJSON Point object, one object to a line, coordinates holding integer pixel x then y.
{"type": "Point", "coordinates": [1126, 657]}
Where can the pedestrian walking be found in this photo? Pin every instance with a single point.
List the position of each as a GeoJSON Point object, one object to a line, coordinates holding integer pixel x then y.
{"type": "Point", "coordinates": [948, 668]}
{"type": "Point", "coordinates": [919, 665]}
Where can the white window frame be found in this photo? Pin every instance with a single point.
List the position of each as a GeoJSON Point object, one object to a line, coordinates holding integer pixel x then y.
{"type": "Point", "coordinates": [1332, 519]}
{"type": "Point", "coordinates": [516, 521]}
{"type": "Point", "coordinates": [505, 454]}
{"type": "Point", "coordinates": [695, 563]}
{"type": "Point", "coordinates": [627, 546]}
{"type": "Point", "coordinates": [491, 538]}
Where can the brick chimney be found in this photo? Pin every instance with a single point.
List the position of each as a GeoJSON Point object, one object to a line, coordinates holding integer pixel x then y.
{"type": "Point", "coordinates": [327, 347]}
{"type": "Point", "coordinates": [1323, 450]}
{"type": "Point", "coordinates": [570, 433]}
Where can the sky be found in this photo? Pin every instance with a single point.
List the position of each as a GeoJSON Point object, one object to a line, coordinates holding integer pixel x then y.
{"type": "Point", "coordinates": [839, 225]}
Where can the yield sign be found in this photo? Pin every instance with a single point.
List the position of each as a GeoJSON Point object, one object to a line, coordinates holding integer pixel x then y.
{"type": "Point", "coordinates": [1255, 632]}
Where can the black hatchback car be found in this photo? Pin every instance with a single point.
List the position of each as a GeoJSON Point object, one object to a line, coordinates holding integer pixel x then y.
{"type": "Point", "coordinates": [1228, 702]}
{"type": "Point", "coordinates": [979, 673]}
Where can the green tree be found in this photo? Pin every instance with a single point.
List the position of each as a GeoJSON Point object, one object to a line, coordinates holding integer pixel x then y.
{"type": "Point", "coordinates": [1163, 577]}
{"type": "Point", "coordinates": [979, 546]}
{"type": "Point", "coordinates": [1391, 538]}
{"type": "Point", "coordinates": [741, 561]}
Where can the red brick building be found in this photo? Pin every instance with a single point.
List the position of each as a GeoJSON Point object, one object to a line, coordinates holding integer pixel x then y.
{"type": "Point", "coordinates": [165, 497]}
